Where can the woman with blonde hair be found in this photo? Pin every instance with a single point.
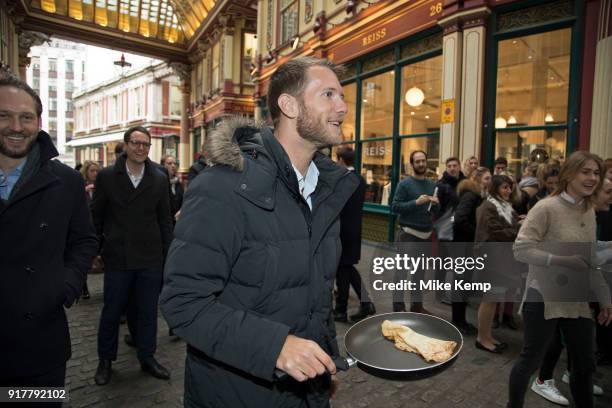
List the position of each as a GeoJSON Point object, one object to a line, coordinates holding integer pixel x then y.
{"type": "Point", "coordinates": [469, 165]}
{"type": "Point", "coordinates": [566, 216]}
{"type": "Point", "coordinates": [89, 171]}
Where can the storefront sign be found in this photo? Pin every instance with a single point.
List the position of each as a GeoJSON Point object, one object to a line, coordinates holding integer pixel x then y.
{"type": "Point", "coordinates": [414, 18]}
{"type": "Point", "coordinates": [374, 37]}
{"type": "Point", "coordinates": [447, 111]}
{"type": "Point", "coordinates": [375, 151]}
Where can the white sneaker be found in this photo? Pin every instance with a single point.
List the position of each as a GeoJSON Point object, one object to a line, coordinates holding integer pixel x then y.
{"type": "Point", "coordinates": [597, 390]}
{"type": "Point", "coordinates": [548, 391]}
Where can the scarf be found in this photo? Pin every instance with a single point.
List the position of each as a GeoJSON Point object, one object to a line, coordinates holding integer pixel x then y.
{"type": "Point", "coordinates": [504, 209]}
{"type": "Point", "coordinates": [30, 168]}
{"type": "Point", "coordinates": [528, 182]}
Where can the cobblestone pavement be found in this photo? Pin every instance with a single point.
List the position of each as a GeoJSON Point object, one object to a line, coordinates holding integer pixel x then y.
{"type": "Point", "coordinates": [477, 379]}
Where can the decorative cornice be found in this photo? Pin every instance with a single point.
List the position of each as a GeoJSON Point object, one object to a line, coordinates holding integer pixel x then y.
{"type": "Point", "coordinates": [461, 19]}
{"type": "Point", "coordinates": [183, 71]}
{"type": "Point", "coordinates": [29, 39]}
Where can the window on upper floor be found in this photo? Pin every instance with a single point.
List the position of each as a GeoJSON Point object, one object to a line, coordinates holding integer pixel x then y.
{"type": "Point", "coordinates": [215, 67]}
{"type": "Point", "coordinates": [288, 16]}
{"type": "Point", "coordinates": [248, 56]}
{"type": "Point", "coordinates": [95, 115]}
{"type": "Point", "coordinates": [175, 100]}
{"type": "Point", "coordinates": [4, 41]}
{"type": "Point", "coordinates": [52, 65]}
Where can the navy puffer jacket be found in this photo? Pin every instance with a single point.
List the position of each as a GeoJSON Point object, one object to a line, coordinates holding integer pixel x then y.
{"type": "Point", "coordinates": [250, 264]}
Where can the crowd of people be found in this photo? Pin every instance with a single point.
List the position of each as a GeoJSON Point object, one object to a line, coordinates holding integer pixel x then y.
{"type": "Point", "coordinates": [244, 261]}
{"type": "Point", "coordinates": [565, 202]}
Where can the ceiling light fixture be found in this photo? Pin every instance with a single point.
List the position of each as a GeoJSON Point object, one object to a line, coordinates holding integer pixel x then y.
{"type": "Point", "coordinates": [414, 96]}
{"type": "Point", "coordinates": [511, 120]}
{"type": "Point", "coordinates": [549, 118]}
{"type": "Point", "coordinates": [500, 123]}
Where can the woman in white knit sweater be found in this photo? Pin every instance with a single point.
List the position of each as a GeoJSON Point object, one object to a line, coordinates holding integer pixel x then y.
{"type": "Point", "coordinates": [551, 239]}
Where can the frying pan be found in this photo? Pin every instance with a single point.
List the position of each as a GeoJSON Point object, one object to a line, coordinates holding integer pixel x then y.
{"type": "Point", "coordinates": [370, 351]}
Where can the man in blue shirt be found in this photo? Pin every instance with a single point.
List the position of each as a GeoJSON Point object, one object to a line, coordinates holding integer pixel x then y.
{"type": "Point", "coordinates": [47, 242]}
{"type": "Point", "coordinates": [8, 180]}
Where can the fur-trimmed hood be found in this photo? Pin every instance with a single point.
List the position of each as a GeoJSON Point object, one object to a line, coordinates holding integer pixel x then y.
{"type": "Point", "coordinates": [468, 185]}
{"type": "Point", "coordinates": [225, 143]}
{"type": "Point", "coordinates": [251, 148]}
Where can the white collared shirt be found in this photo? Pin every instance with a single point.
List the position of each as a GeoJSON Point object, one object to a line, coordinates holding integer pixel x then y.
{"type": "Point", "coordinates": [308, 183]}
{"type": "Point", "coordinates": [564, 195]}
{"type": "Point", "coordinates": [135, 178]}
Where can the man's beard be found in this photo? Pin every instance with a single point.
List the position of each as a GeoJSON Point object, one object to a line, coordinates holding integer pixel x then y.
{"type": "Point", "coordinates": [313, 130]}
{"type": "Point", "coordinates": [419, 171]}
{"type": "Point", "coordinates": [16, 154]}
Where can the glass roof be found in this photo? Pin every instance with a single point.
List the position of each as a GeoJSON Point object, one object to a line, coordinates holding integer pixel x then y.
{"type": "Point", "coordinates": [174, 21]}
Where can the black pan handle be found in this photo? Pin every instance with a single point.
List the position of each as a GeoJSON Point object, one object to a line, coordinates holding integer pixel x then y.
{"type": "Point", "coordinates": [342, 364]}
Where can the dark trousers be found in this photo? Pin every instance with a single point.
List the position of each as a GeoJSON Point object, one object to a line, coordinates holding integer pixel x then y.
{"type": "Point", "coordinates": [53, 378]}
{"type": "Point", "coordinates": [458, 296]}
{"type": "Point", "coordinates": [552, 357]}
{"type": "Point", "coordinates": [416, 296]}
{"type": "Point", "coordinates": [578, 335]}
{"type": "Point", "coordinates": [139, 287]}
{"type": "Point", "coordinates": [603, 334]}
{"type": "Point", "coordinates": [346, 276]}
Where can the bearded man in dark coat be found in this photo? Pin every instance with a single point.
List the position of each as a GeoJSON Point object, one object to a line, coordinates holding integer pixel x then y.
{"type": "Point", "coordinates": [249, 277]}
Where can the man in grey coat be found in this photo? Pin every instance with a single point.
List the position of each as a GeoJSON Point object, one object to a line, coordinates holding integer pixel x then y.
{"type": "Point", "coordinates": [249, 276]}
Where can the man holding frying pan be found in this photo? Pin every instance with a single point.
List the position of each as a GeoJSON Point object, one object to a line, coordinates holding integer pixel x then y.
{"type": "Point", "coordinates": [249, 276]}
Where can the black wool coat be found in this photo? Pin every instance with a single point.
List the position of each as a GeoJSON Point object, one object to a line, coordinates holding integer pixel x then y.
{"type": "Point", "coordinates": [464, 226]}
{"type": "Point", "coordinates": [351, 223]}
{"type": "Point", "coordinates": [250, 264]}
{"type": "Point", "coordinates": [47, 243]}
{"type": "Point", "coordinates": [134, 224]}
{"type": "Point", "coordinates": [447, 191]}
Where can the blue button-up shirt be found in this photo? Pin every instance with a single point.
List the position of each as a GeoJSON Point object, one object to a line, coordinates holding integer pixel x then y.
{"type": "Point", "coordinates": [8, 181]}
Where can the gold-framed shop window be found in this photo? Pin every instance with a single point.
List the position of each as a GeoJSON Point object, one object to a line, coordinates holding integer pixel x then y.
{"type": "Point", "coordinates": [377, 95]}
{"type": "Point", "coordinates": [348, 125]}
{"type": "Point", "coordinates": [532, 96]}
{"type": "Point", "coordinates": [376, 167]}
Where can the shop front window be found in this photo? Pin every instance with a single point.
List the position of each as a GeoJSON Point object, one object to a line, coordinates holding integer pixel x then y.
{"type": "Point", "coordinates": [377, 95]}
{"type": "Point", "coordinates": [421, 95]}
{"type": "Point", "coordinates": [170, 146]}
{"type": "Point", "coordinates": [197, 143]}
{"type": "Point", "coordinates": [348, 125]}
{"type": "Point", "coordinates": [376, 165]}
{"type": "Point", "coordinates": [517, 145]}
{"type": "Point", "coordinates": [430, 145]}
{"type": "Point", "coordinates": [532, 92]}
